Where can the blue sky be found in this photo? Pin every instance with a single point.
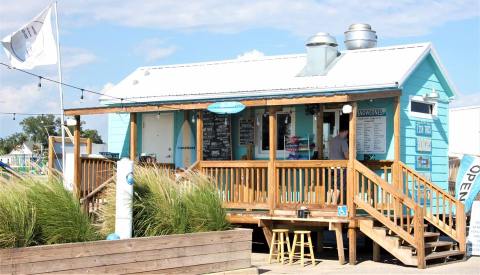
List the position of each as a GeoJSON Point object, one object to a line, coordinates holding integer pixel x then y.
{"type": "Point", "coordinates": [103, 41]}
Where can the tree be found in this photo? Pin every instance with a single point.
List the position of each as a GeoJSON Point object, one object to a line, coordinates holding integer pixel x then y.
{"type": "Point", "coordinates": [11, 142]}
{"type": "Point", "coordinates": [39, 128]}
{"type": "Point", "coordinates": [92, 134]}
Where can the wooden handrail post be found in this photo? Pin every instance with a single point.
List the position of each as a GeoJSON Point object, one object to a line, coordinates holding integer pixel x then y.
{"type": "Point", "coordinates": [461, 226]}
{"type": "Point", "coordinates": [133, 136]}
{"type": "Point", "coordinates": [76, 158]}
{"type": "Point", "coordinates": [396, 170]}
{"type": "Point", "coordinates": [89, 146]}
{"type": "Point", "coordinates": [272, 143]}
{"type": "Point", "coordinates": [418, 235]}
{"type": "Point", "coordinates": [199, 138]}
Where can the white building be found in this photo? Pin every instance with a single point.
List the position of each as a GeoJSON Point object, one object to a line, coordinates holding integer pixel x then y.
{"type": "Point", "coordinates": [464, 132]}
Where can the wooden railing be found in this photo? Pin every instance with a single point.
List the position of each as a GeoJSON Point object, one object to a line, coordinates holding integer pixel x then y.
{"type": "Point", "coordinates": [310, 183]}
{"type": "Point", "coordinates": [383, 168]}
{"type": "Point", "coordinates": [376, 196]}
{"type": "Point", "coordinates": [94, 173]}
{"type": "Point", "coordinates": [441, 209]}
{"type": "Point", "coordinates": [241, 184]}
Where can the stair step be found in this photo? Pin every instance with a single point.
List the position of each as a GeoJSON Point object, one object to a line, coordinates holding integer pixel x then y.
{"type": "Point", "coordinates": [443, 254]}
{"type": "Point", "coordinates": [437, 244]}
{"type": "Point", "coordinates": [430, 234]}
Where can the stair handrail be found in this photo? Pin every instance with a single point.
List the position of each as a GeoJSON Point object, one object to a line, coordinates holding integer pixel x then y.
{"type": "Point", "coordinates": [417, 239]}
{"type": "Point", "coordinates": [459, 234]}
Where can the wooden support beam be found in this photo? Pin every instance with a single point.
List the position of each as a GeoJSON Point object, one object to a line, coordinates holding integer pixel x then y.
{"type": "Point", "coordinates": [319, 126]}
{"type": "Point", "coordinates": [51, 154]}
{"type": "Point", "coordinates": [200, 137]}
{"type": "Point", "coordinates": [272, 128]}
{"type": "Point", "coordinates": [376, 252]}
{"type": "Point", "coordinates": [352, 155]}
{"type": "Point", "coordinates": [149, 107]}
{"type": "Point", "coordinates": [352, 243]}
{"type": "Point", "coordinates": [76, 158]}
{"type": "Point", "coordinates": [133, 136]}
{"type": "Point", "coordinates": [337, 227]}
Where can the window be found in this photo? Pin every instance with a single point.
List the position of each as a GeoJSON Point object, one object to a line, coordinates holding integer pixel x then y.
{"type": "Point", "coordinates": [421, 107]}
{"type": "Point", "coordinates": [285, 127]}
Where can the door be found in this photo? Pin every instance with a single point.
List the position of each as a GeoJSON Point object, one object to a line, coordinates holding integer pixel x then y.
{"type": "Point", "coordinates": [333, 121]}
{"type": "Point", "coordinates": [157, 136]}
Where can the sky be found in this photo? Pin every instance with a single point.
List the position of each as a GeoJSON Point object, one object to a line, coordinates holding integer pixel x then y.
{"type": "Point", "coordinates": [104, 41]}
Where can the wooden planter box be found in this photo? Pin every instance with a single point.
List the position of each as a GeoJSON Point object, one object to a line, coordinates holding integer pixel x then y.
{"type": "Point", "coordinates": [188, 253]}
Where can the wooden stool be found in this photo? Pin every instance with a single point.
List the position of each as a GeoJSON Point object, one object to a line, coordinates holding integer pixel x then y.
{"type": "Point", "coordinates": [277, 247]}
{"type": "Point", "coordinates": [302, 244]}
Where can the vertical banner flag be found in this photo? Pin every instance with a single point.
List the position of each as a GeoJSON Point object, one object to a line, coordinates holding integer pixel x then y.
{"type": "Point", "coordinates": [33, 44]}
{"type": "Point", "coordinates": [468, 180]}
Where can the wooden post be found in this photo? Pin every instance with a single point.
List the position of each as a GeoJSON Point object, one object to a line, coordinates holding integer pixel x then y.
{"type": "Point", "coordinates": [133, 136]}
{"type": "Point", "coordinates": [461, 226]}
{"type": "Point", "coordinates": [76, 158]}
{"type": "Point", "coordinates": [396, 163]}
{"type": "Point", "coordinates": [376, 252]}
{"type": "Point", "coordinates": [352, 156]}
{"type": "Point", "coordinates": [199, 138]}
{"type": "Point", "coordinates": [89, 146]}
{"type": "Point", "coordinates": [320, 131]}
{"type": "Point", "coordinates": [51, 154]}
{"type": "Point", "coordinates": [272, 124]}
{"type": "Point", "coordinates": [418, 235]}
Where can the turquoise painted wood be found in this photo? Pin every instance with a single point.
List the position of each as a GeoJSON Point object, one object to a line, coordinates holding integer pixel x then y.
{"type": "Point", "coordinates": [118, 134]}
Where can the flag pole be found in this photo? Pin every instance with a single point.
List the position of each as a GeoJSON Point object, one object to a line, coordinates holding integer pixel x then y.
{"type": "Point", "coordinates": [60, 90]}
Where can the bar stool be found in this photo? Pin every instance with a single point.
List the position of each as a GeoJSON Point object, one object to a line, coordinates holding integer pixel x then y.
{"type": "Point", "coordinates": [277, 247]}
{"type": "Point", "coordinates": [300, 255]}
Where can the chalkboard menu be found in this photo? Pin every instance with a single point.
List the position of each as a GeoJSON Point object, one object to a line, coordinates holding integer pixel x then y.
{"type": "Point", "coordinates": [217, 137]}
{"type": "Point", "coordinates": [247, 132]}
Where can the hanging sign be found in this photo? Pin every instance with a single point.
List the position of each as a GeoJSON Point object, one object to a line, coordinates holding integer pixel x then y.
{"type": "Point", "coordinates": [372, 131]}
{"type": "Point", "coordinates": [227, 107]}
{"type": "Point", "coordinates": [468, 180]}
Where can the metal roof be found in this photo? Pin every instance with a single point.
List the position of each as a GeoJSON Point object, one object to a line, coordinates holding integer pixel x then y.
{"type": "Point", "coordinates": [353, 70]}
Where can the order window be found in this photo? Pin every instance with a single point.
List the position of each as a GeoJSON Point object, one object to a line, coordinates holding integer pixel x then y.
{"type": "Point", "coordinates": [284, 125]}
{"type": "Point", "coordinates": [422, 107]}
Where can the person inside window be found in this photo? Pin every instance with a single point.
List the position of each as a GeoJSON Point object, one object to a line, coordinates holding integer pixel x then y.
{"type": "Point", "coordinates": [338, 146]}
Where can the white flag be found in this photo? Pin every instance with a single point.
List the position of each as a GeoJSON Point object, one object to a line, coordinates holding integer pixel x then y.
{"type": "Point", "coordinates": [34, 44]}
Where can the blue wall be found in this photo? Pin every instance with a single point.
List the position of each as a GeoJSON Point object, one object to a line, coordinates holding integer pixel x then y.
{"type": "Point", "coordinates": [118, 134]}
{"type": "Point", "coordinates": [422, 80]}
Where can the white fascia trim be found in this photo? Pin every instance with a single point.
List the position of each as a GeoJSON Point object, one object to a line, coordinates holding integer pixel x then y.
{"type": "Point", "coordinates": [419, 60]}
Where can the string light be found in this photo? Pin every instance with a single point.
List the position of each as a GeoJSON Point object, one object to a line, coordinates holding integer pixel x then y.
{"type": "Point", "coordinates": [39, 82]}
{"type": "Point", "coordinates": [81, 96]}
{"type": "Point", "coordinates": [13, 116]}
{"type": "Point", "coordinates": [193, 118]}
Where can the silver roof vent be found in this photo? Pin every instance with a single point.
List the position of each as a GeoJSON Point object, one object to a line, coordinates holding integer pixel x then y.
{"type": "Point", "coordinates": [360, 36]}
{"type": "Point", "coordinates": [321, 52]}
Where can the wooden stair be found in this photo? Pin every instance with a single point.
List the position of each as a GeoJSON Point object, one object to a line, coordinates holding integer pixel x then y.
{"type": "Point", "coordinates": [436, 251]}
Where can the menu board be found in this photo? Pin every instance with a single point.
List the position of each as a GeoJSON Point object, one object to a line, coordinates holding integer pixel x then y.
{"type": "Point", "coordinates": [217, 137]}
{"type": "Point", "coordinates": [247, 132]}
{"type": "Point", "coordinates": [372, 131]}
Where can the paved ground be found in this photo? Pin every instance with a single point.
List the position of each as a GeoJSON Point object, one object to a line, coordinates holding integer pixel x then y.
{"type": "Point", "coordinates": [365, 266]}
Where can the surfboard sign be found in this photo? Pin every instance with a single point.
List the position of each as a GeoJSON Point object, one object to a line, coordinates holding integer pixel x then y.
{"type": "Point", "coordinates": [226, 107]}
{"type": "Point", "coordinates": [185, 153]}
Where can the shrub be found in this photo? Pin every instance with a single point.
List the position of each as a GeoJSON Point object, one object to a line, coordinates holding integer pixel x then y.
{"type": "Point", "coordinates": [18, 217]}
{"type": "Point", "coordinates": [163, 205]}
{"type": "Point", "coordinates": [59, 213]}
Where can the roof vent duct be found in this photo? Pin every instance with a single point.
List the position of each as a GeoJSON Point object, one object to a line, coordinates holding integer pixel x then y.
{"type": "Point", "coordinates": [321, 52]}
{"type": "Point", "coordinates": [360, 36]}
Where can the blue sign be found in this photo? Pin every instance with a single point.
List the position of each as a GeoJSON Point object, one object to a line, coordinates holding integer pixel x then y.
{"type": "Point", "coordinates": [227, 107]}
{"type": "Point", "coordinates": [468, 180]}
{"type": "Point", "coordinates": [342, 211]}
{"type": "Point", "coordinates": [423, 129]}
{"type": "Point", "coordinates": [423, 162]}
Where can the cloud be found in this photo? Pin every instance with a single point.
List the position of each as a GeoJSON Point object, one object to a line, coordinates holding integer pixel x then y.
{"type": "Point", "coordinates": [153, 49]}
{"type": "Point", "coordinates": [75, 57]}
{"type": "Point", "coordinates": [301, 17]}
{"type": "Point", "coordinates": [464, 100]}
{"type": "Point", "coordinates": [253, 54]}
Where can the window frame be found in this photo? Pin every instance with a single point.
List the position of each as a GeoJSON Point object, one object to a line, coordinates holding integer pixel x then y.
{"type": "Point", "coordinates": [420, 99]}
{"type": "Point", "coordinates": [259, 153]}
